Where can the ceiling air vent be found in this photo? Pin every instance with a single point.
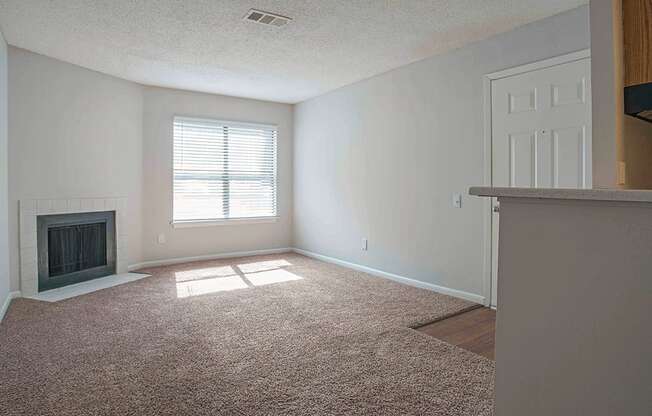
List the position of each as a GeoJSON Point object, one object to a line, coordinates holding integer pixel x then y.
{"type": "Point", "coordinates": [266, 18]}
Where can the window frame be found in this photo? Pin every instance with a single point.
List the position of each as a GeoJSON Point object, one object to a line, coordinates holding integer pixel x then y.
{"type": "Point", "coordinates": [193, 223]}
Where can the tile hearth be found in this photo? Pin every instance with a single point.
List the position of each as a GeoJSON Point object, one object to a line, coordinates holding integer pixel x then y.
{"type": "Point", "coordinates": [83, 288]}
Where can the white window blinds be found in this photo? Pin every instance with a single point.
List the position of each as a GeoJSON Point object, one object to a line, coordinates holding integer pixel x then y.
{"type": "Point", "coordinates": [223, 170]}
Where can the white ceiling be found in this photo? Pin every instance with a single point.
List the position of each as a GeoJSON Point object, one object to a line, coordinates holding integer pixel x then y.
{"type": "Point", "coordinates": [204, 45]}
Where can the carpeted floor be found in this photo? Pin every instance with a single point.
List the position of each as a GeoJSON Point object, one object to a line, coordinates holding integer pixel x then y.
{"type": "Point", "coordinates": [269, 335]}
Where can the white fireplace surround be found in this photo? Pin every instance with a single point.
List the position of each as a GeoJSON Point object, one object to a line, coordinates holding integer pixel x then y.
{"type": "Point", "coordinates": [32, 208]}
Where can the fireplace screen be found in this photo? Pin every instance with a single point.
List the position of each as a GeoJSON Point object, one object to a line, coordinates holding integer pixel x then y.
{"type": "Point", "coordinates": [72, 248]}
{"type": "Point", "coordinates": [75, 247]}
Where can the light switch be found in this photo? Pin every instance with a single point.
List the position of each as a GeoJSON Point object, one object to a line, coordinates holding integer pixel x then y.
{"type": "Point", "coordinates": [457, 200]}
{"type": "Point", "coordinates": [622, 173]}
{"type": "Point", "coordinates": [161, 238]}
{"type": "Point", "coordinates": [364, 244]}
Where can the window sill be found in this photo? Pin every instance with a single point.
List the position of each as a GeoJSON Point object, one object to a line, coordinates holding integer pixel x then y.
{"type": "Point", "coordinates": [231, 221]}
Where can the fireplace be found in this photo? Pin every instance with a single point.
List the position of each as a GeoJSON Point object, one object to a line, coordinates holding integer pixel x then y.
{"type": "Point", "coordinates": [76, 247]}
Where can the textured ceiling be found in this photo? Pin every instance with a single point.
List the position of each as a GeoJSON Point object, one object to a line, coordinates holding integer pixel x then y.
{"type": "Point", "coordinates": [204, 45]}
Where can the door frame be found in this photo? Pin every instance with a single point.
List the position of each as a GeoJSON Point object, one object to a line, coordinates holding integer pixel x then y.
{"type": "Point", "coordinates": [487, 79]}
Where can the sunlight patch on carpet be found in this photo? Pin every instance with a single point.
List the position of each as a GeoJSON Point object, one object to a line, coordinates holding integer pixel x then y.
{"type": "Point", "coordinates": [271, 276]}
{"type": "Point", "coordinates": [208, 280]}
{"type": "Point", "coordinates": [260, 266]}
{"type": "Point", "coordinates": [206, 286]}
{"type": "Point", "coordinates": [196, 274]}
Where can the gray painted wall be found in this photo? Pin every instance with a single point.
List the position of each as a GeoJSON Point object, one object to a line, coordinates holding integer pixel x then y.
{"type": "Point", "coordinates": [381, 158]}
{"type": "Point", "coordinates": [72, 133]}
{"type": "Point", "coordinates": [160, 106]}
{"type": "Point", "coordinates": [573, 334]}
{"type": "Point", "coordinates": [4, 196]}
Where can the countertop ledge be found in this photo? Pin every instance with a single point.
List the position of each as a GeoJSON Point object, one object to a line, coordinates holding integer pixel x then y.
{"type": "Point", "coordinates": [549, 193]}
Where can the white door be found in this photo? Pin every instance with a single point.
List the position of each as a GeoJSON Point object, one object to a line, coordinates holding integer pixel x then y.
{"type": "Point", "coordinates": [541, 134]}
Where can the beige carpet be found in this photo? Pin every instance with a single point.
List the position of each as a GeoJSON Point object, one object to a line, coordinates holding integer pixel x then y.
{"type": "Point", "coordinates": [272, 335]}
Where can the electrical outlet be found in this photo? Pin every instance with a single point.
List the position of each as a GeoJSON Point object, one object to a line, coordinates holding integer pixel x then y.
{"type": "Point", "coordinates": [161, 238]}
{"type": "Point", "coordinates": [457, 200]}
{"type": "Point", "coordinates": [364, 244]}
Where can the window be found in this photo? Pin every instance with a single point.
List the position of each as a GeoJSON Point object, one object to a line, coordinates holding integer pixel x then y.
{"type": "Point", "coordinates": [223, 170]}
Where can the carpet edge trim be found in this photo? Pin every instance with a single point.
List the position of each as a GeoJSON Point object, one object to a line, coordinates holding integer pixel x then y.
{"type": "Point", "coordinates": [451, 315]}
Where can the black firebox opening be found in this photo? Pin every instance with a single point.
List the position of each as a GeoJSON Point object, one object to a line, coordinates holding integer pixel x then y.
{"type": "Point", "coordinates": [73, 248]}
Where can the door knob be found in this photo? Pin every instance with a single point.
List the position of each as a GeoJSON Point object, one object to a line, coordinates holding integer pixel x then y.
{"type": "Point", "coordinates": [496, 207]}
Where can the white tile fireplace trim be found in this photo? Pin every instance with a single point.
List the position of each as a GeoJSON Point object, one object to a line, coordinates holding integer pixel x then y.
{"type": "Point", "coordinates": [31, 208]}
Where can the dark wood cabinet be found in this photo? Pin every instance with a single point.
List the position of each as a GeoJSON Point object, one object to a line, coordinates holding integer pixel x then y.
{"type": "Point", "coordinates": [637, 31]}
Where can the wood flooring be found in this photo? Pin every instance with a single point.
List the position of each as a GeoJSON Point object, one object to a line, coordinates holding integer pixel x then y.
{"type": "Point", "coordinates": [474, 331]}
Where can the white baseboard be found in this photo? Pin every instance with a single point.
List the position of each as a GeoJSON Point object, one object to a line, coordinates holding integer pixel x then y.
{"type": "Point", "coordinates": [391, 276]}
{"type": "Point", "coordinates": [7, 301]}
{"type": "Point", "coordinates": [375, 272]}
{"type": "Point", "coordinates": [178, 260]}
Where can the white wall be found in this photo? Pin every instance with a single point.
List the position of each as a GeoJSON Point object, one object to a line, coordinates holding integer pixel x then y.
{"type": "Point", "coordinates": [4, 230]}
{"type": "Point", "coordinates": [160, 106]}
{"type": "Point", "coordinates": [382, 157]}
{"type": "Point", "coordinates": [72, 133]}
{"type": "Point", "coordinates": [604, 72]}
